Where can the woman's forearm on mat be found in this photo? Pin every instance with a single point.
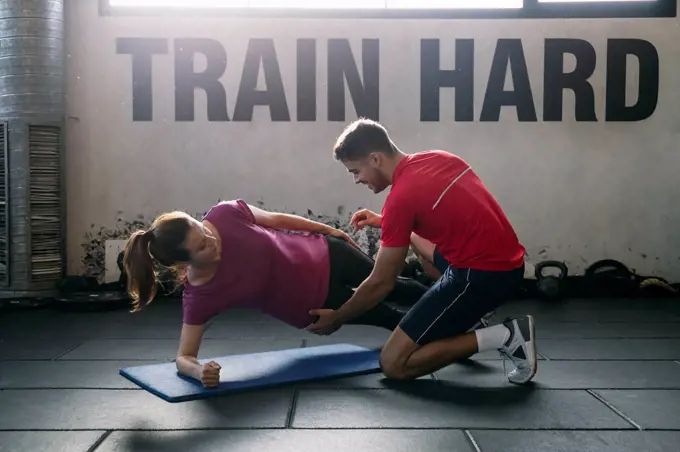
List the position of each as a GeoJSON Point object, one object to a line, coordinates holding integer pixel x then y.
{"type": "Point", "coordinates": [189, 366]}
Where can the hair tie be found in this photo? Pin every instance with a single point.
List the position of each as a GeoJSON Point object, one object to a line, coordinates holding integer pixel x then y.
{"type": "Point", "coordinates": [149, 234]}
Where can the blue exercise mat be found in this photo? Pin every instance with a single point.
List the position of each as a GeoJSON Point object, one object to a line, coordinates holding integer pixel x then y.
{"type": "Point", "coordinates": [257, 370]}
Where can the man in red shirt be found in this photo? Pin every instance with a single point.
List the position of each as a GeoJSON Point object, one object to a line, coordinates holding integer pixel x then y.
{"type": "Point", "coordinates": [440, 207]}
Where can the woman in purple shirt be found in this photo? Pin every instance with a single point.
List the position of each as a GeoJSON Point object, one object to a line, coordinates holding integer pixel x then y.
{"type": "Point", "coordinates": [242, 256]}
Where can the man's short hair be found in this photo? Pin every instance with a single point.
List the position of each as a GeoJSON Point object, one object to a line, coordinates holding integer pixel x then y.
{"type": "Point", "coordinates": [361, 138]}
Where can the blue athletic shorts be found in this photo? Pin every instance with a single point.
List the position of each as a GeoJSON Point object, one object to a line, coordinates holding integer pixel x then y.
{"type": "Point", "coordinates": [458, 300]}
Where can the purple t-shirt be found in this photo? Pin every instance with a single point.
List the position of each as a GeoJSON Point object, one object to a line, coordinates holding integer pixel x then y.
{"type": "Point", "coordinates": [281, 274]}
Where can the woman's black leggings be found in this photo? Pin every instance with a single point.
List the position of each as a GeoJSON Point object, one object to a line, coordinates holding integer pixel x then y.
{"type": "Point", "coordinates": [349, 268]}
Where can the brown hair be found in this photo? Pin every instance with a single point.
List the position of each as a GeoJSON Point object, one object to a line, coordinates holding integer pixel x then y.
{"type": "Point", "coordinates": [164, 243]}
{"type": "Point", "coordinates": [360, 138]}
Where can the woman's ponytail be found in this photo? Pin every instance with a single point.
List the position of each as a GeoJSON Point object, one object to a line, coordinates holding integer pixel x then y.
{"type": "Point", "coordinates": [140, 270]}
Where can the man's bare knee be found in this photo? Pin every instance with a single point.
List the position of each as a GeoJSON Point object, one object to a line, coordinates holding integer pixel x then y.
{"type": "Point", "coordinates": [395, 355]}
{"type": "Point", "coordinates": [393, 369]}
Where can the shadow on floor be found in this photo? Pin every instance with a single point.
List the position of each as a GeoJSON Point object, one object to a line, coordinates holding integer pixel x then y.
{"type": "Point", "coordinates": [461, 394]}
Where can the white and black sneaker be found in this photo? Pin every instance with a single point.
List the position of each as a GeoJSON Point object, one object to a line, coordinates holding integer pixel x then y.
{"type": "Point", "coordinates": [520, 348]}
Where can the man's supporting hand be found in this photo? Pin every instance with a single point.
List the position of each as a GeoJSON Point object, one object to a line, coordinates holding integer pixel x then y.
{"type": "Point", "coordinates": [365, 217]}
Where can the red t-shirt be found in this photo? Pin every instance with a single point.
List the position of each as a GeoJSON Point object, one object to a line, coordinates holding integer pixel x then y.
{"type": "Point", "coordinates": [438, 196]}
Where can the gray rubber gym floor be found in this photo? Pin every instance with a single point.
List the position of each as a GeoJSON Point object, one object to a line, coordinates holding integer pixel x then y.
{"type": "Point", "coordinates": [608, 380]}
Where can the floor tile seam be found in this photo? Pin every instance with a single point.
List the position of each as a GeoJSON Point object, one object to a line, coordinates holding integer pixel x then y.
{"type": "Point", "coordinates": [173, 338]}
{"type": "Point", "coordinates": [54, 430]}
{"type": "Point", "coordinates": [69, 350]}
{"type": "Point", "coordinates": [601, 338]}
{"type": "Point", "coordinates": [166, 360]}
{"type": "Point", "coordinates": [462, 388]}
{"type": "Point", "coordinates": [62, 388]}
{"type": "Point", "coordinates": [99, 441]}
{"type": "Point", "coordinates": [393, 428]}
{"type": "Point", "coordinates": [290, 417]}
{"type": "Point", "coordinates": [49, 360]}
{"type": "Point", "coordinates": [358, 389]}
{"type": "Point", "coordinates": [351, 389]}
{"type": "Point", "coordinates": [132, 338]}
{"type": "Point", "coordinates": [61, 360]}
{"type": "Point", "coordinates": [171, 359]}
{"type": "Point", "coordinates": [228, 337]}
{"type": "Point", "coordinates": [108, 336]}
{"type": "Point", "coordinates": [103, 360]}
{"type": "Point", "coordinates": [470, 432]}
{"type": "Point", "coordinates": [541, 321]}
{"type": "Point", "coordinates": [462, 428]}
{"type": "Point", "coordinates": [617, 411]}
{"type": "Point", "coordinates": [471, 440]}
{"type": "Point", "coordinates": [596, 338]}
{"type": "Point", "coordinates": [636, 360]}
{"type": "Point", "coordinates": [93, 341]}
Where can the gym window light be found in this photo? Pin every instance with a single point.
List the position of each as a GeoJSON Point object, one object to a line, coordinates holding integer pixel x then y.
{"type": "Point", "coordinates": [596, 1]}
{"type": "Point", "coordinates": [435, 9]}
{"type": "Point", "coordinates": [322, 4]}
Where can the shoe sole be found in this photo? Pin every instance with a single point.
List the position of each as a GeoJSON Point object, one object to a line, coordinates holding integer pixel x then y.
{"type": "Point", "coordinates": [532, 346]}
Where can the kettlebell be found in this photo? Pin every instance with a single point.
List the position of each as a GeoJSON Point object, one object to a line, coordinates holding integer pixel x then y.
{"type": "Point", "coordinates": [550, 286]}
{"type": "Point", "coordinates": [611, 278]}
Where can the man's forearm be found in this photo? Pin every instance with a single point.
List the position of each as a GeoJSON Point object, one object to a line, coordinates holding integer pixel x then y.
{"type": "Point", "coordinates": [367, 296]}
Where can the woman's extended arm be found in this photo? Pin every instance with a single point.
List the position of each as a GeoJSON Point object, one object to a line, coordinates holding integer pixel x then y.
{"type": "Point", "coordinates": [288, 222]}
{"type": "Point", "coordinates": [187, 357]}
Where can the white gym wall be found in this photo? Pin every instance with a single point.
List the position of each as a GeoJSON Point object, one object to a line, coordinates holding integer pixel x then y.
{"type": "Point", "coordinates": [577, 191]}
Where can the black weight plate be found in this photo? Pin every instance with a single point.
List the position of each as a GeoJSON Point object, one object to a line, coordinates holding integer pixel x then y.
{"type": "Point", "coordinates": [92, 301]}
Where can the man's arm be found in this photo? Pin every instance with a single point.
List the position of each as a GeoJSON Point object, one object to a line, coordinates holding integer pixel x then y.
{"type": "Point", "coordinates": [396, 223]}
{"type": "Point", "coordinates": [288, 222]}
{"type": "Point", "coordinates": [389, 264]}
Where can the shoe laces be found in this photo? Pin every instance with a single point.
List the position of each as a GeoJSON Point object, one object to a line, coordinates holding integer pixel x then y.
{"type": "Point", "coordinates": [505, 356]}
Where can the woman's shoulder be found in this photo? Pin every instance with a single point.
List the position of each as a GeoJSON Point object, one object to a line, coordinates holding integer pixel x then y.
{"type": "Point", "coordinates": [235, 209]}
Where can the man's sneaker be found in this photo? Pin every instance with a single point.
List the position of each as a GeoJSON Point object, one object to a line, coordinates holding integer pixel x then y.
{"type": "Point", "coordinates": [520, 348]}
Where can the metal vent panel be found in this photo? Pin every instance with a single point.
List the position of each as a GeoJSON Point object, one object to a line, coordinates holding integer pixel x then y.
{"type": "Point", "coordinates": [45, 202]}
{"type": "Point", "coordinates": [4, 208]}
